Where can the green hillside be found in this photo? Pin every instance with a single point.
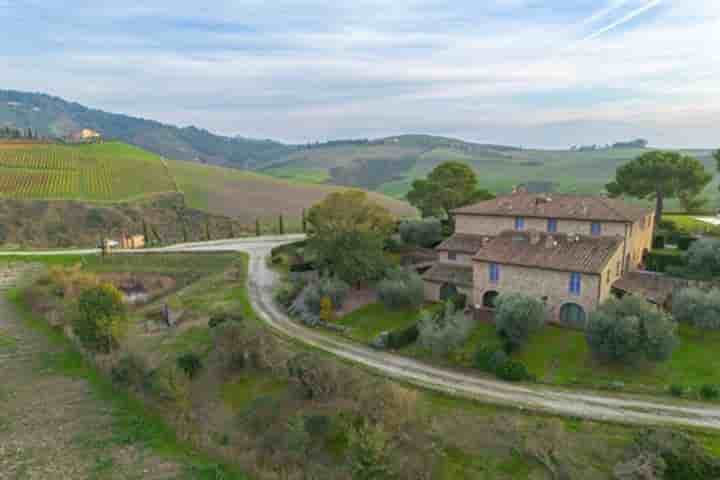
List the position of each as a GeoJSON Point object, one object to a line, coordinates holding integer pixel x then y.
{"type": "Point", "coordinates": [249, 196]}
{"type": "Point", "coordinates": [390, 165]}
{"type": "Point", "coordinates": [114, 172]}
{"type": "Point", "coordinates": [109, 172]}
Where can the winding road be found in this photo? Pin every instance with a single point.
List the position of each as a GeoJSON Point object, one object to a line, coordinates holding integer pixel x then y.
{"type": "Point", "coordinates": [583, 404]}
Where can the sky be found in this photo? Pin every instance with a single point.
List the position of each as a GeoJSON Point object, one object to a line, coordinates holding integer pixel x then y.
{"type": "Point", "coordinates": [542, 73]}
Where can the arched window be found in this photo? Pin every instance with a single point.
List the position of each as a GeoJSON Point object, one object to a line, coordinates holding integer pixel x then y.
{"type": "Point", "coordinates": [489, 299]}
{"type": "Point", "coordinates": [572, 315]}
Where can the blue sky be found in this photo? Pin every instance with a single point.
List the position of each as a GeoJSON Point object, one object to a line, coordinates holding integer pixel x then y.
{"type": "Point", "coordinates": [547, 73]}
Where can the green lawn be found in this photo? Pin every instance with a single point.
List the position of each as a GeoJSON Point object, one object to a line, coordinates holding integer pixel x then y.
{"type": "Point", "coordinates": [561, 356]}
{"type": "Point", "coordinates": [369, 321]}
{"type": "Point", "coordinates": [238, 393]}
{"type": "Point", "coordinates": [688, 223]}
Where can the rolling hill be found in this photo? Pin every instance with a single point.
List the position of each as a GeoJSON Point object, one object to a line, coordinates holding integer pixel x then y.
{"type": "Point", "coordinates": [386, 165]}
{"type": "Point", "coordinates": [114, 172]}
{"type": "Point", "coordinates": [54, 117]}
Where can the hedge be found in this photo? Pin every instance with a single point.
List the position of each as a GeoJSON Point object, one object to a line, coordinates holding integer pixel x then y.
{"type": "Point", "coordinates": [660, 260]}
{"type": "Point", "coordinates": [659, 242]}
{"type": "Point", "coordinates": [684, 242]}
{"type": "Point", "coordinates": [402, 338]}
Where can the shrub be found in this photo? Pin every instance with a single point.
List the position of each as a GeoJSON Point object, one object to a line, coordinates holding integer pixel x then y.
{"type": "Point", "coordinates": [190, 363]}
{"type": "Point", "coordinates": [402, 289]}
{"type": "Point", "coordinates": [512, 371]}
{"type": "Point", "coordinates": [697, 307]}
{"type": "Point", "coordinates": [131, 371]}
{"type": "Point", "coordinates": [703, 257]}
{"type": "Point", "coordinates": [443, 332]}
{"type": "Point", "coordinates": [327, 313]}
{"type": "Point", "coordinates": [676, 390]}
{"type": "Point", "coordinates": [368, 451]}
{"type": "Point", "coordinates": [336, 290]}
{"type": "Point", "coordinates": [222, 317]}
{"type": "Point", "coordinates": [627, 329]}
{"type": "Point", "coordinates": [288, 291]}
{"type": "Point", "coordinates": [659, 242]}
{"type": "Point", "coordinates": [662, 261]}
{"type": "Point", "coordinates": [101, 318]}
{"type": "Point", "coordinates": [483, 358]}
{"type": "Point", "coordinates": [402, 338]}
{"type": "Point", "coordinates": [684, 242]}
{"type": "Point", "coordinates": [424, 233]}
{"type": "Point", "coordinates": [710, 392]}
{"type": "Point", "coordinates": [518, 316]}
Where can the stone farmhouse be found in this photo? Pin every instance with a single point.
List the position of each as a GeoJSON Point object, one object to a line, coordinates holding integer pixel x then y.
{"type": "Point", "coordinates": [568, 250]}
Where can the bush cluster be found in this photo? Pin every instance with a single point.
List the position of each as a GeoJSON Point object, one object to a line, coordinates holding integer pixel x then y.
{"type": "Point", "coordinates": [444, 331]}
{"type": "Point", "coordinates": [190, 363]}
{"type": "Point", "coordinates": [703, 257]}
{"type": "Point", "coordinates": [424, 233]}
{"type": "Point", "coordinates": [401, 289]}
{"type": "Point", "coordinates": [402, 338]}
{"type": "Point", "coordinates": [334, 289]}
{"type": "Point", "coordinates": [697, 307]}
{"type": "Point", "coordinates": [101, 318]}
{"type": "Point", "coordinates": [630, 329]}
{"type": "Point", "coordinates": [493, 359]}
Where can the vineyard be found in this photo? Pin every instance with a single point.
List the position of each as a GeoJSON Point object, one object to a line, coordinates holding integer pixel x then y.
{"type": "Point", "coordinates": [102, 172]}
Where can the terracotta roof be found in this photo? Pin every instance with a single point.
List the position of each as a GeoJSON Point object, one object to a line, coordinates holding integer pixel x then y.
{"type": "Point", "coordinates": [650, 285]}
{"type": "Point", "coordinates": [461, 275]}
{"type": "Point", "coordinates": [556, 205]}
{"type": "Point", "coordinates": [463, 243]}
{"type": "Point", "coordinates": [573, 253]}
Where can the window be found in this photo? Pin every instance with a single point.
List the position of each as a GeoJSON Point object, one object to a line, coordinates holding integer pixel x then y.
{"type": "Point", "coordinates": [452, 256]}
{"type": "Point", "coordinates": [595, 228]}
{"type": "Point", "coordinates": [494, 273]}
{"type": "Point", "coordinates": [575, 283]}
{"type": "Point", "coordinates": [552, 225]}
{"type": "Point", "coordinates": [519, 223]}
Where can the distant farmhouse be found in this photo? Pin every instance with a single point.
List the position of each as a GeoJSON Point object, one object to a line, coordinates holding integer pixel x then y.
{"type": "Point", "coordinates": [85, 135]}
{"type": "Point", "coordinates": [568, 250]}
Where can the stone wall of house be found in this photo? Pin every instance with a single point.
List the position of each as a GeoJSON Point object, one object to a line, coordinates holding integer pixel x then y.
{"type": "Point", "coordinates": [432, 292]}
{"type": "Point", "coordinates": [539, 283]}
{"type": "Point", "coordinates": [612, 272]}
{"type": "Point", "coordinates": [641, 238]}
{"type": "Point", "coordinates": [492, 225]}
{"type": "Point", "coordinates": [460, 258]}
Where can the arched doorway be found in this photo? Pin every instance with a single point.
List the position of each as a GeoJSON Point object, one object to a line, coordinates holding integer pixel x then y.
{"type": "Point", "coordinates": [572, 315]}
{"type": "Point", "coordinates": [448, 291]}
{"type": "Point", "coordinates": [490, 298]}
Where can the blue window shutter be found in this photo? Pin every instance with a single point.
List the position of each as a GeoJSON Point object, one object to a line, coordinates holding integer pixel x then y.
{"type": "Point", "coordinates": [519, 223]}
{"type": "Point", "coordinates": [575, 283]}
{"type": "Point", "coordinates": [494, 272]}
{"type": "Point", "coordinates": [552, 225]}
{"type": "Point", "coordinates": [595, 228]}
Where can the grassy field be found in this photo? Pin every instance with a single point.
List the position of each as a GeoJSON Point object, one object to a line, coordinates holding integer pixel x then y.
{"type": "Point", "coordinates": [249, 196]}
{"type": "Point", "coordinates": [369, 321]}
{"type": "Point", "coordinates": [497, 169]}
{"type": "Point", "coordinates": [108, 172]}
{"type": "Point", "coordinates": [561, 357]}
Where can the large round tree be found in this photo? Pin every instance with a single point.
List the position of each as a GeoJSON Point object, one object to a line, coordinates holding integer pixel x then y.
{"type": "Point", "coordinates": [449, 186]}
{"type": "Point", "coordinates": [348, 232]}
{"type": "Point", "coordinates": [660, 175]}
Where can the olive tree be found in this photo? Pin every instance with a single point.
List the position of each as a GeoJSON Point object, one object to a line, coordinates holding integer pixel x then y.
{"type": "Point", "coordinates": [401, 289]}
{"type": "Point", "coordinates": [517, 317]}
{"type": "Point", "coordinates": [630, 329]}
{"type": "Point", "coordinates": [697, 307]}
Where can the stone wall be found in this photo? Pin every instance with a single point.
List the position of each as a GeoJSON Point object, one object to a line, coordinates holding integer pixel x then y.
{"type": "Point", "coordinates": [492, 225]}
{"type": "Point", "coordinates": [537, 283]}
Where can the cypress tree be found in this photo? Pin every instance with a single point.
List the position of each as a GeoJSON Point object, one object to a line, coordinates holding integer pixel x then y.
{"type": "Point", "coordinates": [281, 225]}
{"type": "Point", "coordinates": [207, 230]}
{"type": "Point", "coordinates": [232, 229]}
{"type": "Point", "coordinates": [304, 222]}
{"type": "Point", "coordinates": [257, 228]}
{"type": "Point", "coordinates": [145, 231]}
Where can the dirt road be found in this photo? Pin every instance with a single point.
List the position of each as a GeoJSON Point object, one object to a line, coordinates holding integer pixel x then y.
{"type": "Point", "coordinates": [590, 405]}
